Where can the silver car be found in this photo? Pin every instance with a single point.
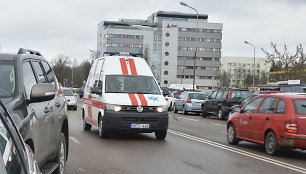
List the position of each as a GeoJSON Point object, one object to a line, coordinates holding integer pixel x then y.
{"type": "Point", "coordinates": [189, 102]}
{"type": "Point", "coordinates": [70, 99]}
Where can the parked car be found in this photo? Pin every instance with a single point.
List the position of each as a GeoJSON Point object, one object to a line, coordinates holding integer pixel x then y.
{"type": "Point", "coordinates": [29, 89]}
{"type": "Point", "coordinates": [168, 97]}
{"type": "Point", "coordinates": [16, 157]}
{"type": "Point", "coordinates": [236, 108]}
{"type": "Point", "coordinates": [190, 102]}
{"type": "Point", "coordinates": [70, 99]}
{"type": "Point", "coordinates": [273, 120]}
{"type": "Point", "coordinates": [221, 100]}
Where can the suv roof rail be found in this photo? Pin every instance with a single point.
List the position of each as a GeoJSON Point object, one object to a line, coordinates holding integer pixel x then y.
{"type": "Point", "coordinates": [28, 51]}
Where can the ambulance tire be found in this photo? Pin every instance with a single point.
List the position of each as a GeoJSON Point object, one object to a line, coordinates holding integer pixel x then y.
{"type": "Point", "coordinates": [86, 126]}
{"type": "Point", "coordinates": [161, 135]}
{"type": "Point", "coordinates": [102, 131]}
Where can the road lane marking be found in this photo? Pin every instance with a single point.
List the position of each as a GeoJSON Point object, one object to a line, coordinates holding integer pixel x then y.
{"type": "Point", "coordinates": [216, 124]}
{"type": "Point", "coordinates": [242, 152]}
{"type": "Point", "coordinates": [74, 140]}
{"type": "Point", "coordinates": [190, 119]}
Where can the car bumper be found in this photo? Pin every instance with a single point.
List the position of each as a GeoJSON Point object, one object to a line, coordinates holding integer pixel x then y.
{"type": "Point", "coordinates": [121, 121]}
{"type": "Point", "coordinates": [293, 141]}
{"type": "Point", "coordinates": [193, 108]}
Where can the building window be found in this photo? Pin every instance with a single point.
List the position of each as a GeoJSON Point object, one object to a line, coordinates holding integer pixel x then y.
{"type": "Point", "coordinates": [166, 82]}
{"type": "Point", "coordinates": [166, 72]}
{"type": "Point", "coordinates": [167, 34]}
{"type": "Point", "coordinates": [209, 87]}
{"type": "Point", "coordinates": [167, 44]}
{"type": "Point", "coordinates": [167, 53]}
{"type": "Point", "coordinates": [166, 63]}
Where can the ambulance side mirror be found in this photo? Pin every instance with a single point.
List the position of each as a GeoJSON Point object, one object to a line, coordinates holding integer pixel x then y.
{"type": "Point", "coordinates": [96, 90]}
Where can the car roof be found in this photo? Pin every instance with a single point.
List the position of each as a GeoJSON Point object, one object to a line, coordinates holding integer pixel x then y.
{"type": "Point", "coordinates": [288, 95]}
{"type": "Point", "coordinates": [21, 55]}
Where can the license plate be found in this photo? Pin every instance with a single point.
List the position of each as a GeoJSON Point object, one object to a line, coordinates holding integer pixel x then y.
{"type": "Point", "coordinates": [140, 126]}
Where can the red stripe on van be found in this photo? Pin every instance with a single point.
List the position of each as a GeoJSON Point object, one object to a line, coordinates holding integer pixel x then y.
{"type": "Point", "coordinates": [142, 100]}
{"type": "Point", "coordinates": [123, 66]}
{"type": "Point", "coordinates": [133, 67]}
{"type": "Point", "coordinates": [133, 99]}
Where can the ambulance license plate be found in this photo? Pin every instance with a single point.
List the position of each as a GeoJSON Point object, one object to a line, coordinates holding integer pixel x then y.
{"type": "Point", "coordinates": [140, 126]}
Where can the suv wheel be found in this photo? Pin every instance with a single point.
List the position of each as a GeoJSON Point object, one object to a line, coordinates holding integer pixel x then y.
{"type": "Point", "coordinates": [102, 131]}
{"type": "Point", "coordinates": [174, 109]}
{"type": "Point", "coordinates": [220, 115]}
{"type": "Point", "coordinates": [184, 110]}
{"type": "Point", "coordinates": [271, 144]}
{"type": "Point", "coordinates": [204, 112]}
{"type": "Point", "coordinates": [61, 156]}
{"type": "Point", "coordinates": [231, 135]}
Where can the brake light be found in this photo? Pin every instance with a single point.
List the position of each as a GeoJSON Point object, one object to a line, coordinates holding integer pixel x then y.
{"type": "Point", "coordinates": [291, 126]}
{"type": "Point", "coordinates": [166, 99]}
{"type": "Point", "coordinates": [177, 95]}
{"type": "Point", "coordinates": [229, 94]}
{"type": "Point", "coordinates": [189, 100]}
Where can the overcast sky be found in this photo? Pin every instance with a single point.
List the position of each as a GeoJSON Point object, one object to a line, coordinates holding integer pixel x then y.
{"type": "Point", "coordinates": [69, 27]}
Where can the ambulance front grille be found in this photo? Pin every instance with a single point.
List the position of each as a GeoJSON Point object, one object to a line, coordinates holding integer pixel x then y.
{"type": "Point", "coordinates": [134, 108]}
{"type": "Point", "coordinates": [136, 119]}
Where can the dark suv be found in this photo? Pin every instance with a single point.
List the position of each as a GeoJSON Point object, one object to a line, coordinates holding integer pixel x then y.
{"type": "Point", "coordinates": [30, 91]}
{"type": "Point", "coordinates": [221, 100]}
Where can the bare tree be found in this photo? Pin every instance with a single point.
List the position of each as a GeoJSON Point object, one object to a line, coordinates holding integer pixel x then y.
{"type": "Point", "coordinates": [225, 79]}
{"type": "Point", "coordinates": [61, 67]}
{"type": "Point", "coordinates": [292, 64]}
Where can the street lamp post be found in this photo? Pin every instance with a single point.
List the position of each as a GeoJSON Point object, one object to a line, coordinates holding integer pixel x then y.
{"type": "Point", "coordinates": [254, 61]}
{"type": "Point", "coordinates": [195, 52]}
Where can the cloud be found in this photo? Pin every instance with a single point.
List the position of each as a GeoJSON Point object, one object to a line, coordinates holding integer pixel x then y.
{"type": "Point", "coordinates": [69, 27]}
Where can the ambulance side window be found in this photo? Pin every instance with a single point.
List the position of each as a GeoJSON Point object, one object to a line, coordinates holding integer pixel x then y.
{"type": "Point", "coordinates": [97, 87]}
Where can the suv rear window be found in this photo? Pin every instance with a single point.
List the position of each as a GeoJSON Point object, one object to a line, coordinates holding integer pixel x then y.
{"type": "Point", "coordinates": [300, 107]}
{"type": "Point", "coordinates": [240, 94]}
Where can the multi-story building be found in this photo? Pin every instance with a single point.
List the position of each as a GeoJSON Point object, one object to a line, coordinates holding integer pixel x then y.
{"type": "Point", "coordinates": [238, 69]}
{"type": "Point", "coordinates": [169, 41]}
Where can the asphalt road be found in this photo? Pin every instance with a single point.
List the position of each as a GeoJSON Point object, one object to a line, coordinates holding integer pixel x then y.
{"type": "Point", "coordinates": [193, 145]}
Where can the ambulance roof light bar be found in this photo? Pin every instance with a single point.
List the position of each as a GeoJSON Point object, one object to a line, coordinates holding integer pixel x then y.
{"type": "Point", "coordinates": [122, 54]}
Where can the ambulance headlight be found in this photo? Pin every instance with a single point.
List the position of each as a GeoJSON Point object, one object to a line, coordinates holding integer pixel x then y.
{"type": "Point", "coordinates": [110, 107]}
{"type": "Point", "coordinates": [162, 109]}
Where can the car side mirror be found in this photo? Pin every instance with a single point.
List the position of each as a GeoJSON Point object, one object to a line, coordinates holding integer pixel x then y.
{"type": "Point", "coordinates": [96, 90]}
{"type": "Point", "coordinates": [42, 92]}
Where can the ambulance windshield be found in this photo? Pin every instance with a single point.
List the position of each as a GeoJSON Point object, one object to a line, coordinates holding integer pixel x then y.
{"type": "Point", "coordinates": [131, 84]}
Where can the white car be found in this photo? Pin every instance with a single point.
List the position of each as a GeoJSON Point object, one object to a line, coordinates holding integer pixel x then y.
{"type": "Point", "coordinates": [70, 99]}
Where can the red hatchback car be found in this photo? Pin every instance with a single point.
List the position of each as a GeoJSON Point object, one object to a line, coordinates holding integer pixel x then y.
{"type": "Point", "coordinates": [274, 120]}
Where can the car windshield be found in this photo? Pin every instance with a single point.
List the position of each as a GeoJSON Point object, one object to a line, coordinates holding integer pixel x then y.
{"type": "Point", "coordinates": [131, 84]}
{"type": "Point", "coordinates": [8, 79]}
{"type": "Point", "coordinates": [68, 92]}
{"type": "Point", "coordinates": [240, 94]}
{"type": "Point", "coordinates": [198, 96]}
{"type": "Point", "coordinates": [300, 107]}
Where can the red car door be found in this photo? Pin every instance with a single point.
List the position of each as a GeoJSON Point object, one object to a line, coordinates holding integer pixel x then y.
{"type": "Point", "coordinates": [245, 119]}
{"type": "Point", "coordinates": [262, 119]}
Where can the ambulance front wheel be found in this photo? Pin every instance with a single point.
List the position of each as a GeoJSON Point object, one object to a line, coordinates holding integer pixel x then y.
{"type": "Point", "coordinates": [161, 135]}
{"type": "Point", "coordinates": [86, 126]}
{"type": "Point", "coordinates": [102, 131]}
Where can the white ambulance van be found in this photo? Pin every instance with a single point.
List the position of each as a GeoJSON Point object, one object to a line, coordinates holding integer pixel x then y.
{"type": "Point", "coordinates": [122, 95]}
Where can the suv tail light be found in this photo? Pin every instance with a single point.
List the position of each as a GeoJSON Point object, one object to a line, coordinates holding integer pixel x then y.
{"type": "Point", "coordinates": [166, 99]}
{"type": "Point", "coordinates": [291, 126]}
{"type": "Point", "coordinates": [189, 100]}
{"type": "Point", "coordinates": [229, 94]}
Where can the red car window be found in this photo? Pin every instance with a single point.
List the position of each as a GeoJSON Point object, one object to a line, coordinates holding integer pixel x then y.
{"type": "Point", "coordinates": [251, 107]}
{"type": "Point", "coordinates": [280, 109]}
{"type": "Point", "coordinates": [300, 107]}
{"type": "Point", "coordinates": [268, 105]}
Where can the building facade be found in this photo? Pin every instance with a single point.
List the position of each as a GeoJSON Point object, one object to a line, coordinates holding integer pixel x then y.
{"type": "Point", "coordinates": [168, 40]}
{"type": "Point", "coordinates": [239, 69]}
